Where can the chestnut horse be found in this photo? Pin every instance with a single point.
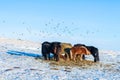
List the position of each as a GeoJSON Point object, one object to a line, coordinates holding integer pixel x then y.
{"type": "Point", "coordinates": [78, 50]}
{"type": "Point", "coordinates": [93, 50]}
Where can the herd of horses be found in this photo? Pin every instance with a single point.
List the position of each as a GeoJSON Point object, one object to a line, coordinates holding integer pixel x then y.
{"type": "Point", "coordinates": [67, 51]}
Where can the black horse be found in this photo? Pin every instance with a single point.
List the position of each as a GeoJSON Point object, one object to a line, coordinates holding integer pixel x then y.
{"type": "Point", "coordinates": [53, 47]}
{"type": "Point", "coordinates": [93, 50]}
{"type": "Point", "coordinates": [46, 49]}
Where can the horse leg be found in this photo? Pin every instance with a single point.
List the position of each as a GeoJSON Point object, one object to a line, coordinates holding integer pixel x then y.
{"type": "Point", "coordinates": [67, 56]}
{"type": "Point", "coordinates": [64, 57]}
{"type": "Point", "coordinates": [96, 57]}
{"type": "Point", "coordinates": [78, 57]}
{"type": "Point", "coordinates": [54, 56]}
{"type": "Point", "coordinates": [57, 57]}
{"type": "Point", "coordinates": [81, 55]}
{"type": "Point", "coordinates": [49, 56]}
{"type": "Point", "coordinates": [45, 56]}
{"type": "Point", "coordinates": [74, 57]}
{"type": "Point", "coordinates": [71, 55]}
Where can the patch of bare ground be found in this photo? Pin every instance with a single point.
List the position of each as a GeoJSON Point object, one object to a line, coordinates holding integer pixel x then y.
{"type": "Point", "coordinates": [70, 63]}
{"type": "Point", "coordinates": [85, 64]}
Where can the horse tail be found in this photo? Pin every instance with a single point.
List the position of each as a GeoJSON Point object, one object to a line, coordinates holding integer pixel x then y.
{"type": "Point", "coordinates": [71, 54]}
{"type": "Point", "coordinates": [86, 50]}
{"type": "Point", "coordinates": [97, 51]}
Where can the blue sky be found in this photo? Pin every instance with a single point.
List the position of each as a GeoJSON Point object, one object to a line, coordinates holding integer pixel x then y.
{"type": "Point", "coordinates": [92, 22]}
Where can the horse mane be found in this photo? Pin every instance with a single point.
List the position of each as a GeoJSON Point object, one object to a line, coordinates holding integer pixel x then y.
{"type": "Point", "coordinates": [87, 51]}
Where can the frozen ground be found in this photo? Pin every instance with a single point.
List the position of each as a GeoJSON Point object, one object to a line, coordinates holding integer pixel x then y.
{"type": "Point", "coordinates": [17, 62]}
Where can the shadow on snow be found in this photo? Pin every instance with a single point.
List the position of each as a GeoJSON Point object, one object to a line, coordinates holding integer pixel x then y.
{"type": "Point", "coordinates": [19, 53]}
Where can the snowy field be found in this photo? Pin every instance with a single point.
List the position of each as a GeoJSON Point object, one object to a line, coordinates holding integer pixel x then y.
{"type": "Point", "coordinates": [17, 62]}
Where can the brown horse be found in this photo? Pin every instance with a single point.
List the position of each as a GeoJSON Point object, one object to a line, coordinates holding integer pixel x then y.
{"type": "Point", "coordinates": [56, 49]}
{"type": "Point", "coordinates": [65, 50]}
{"type": "Point", "coordinates": [93, 50]}
{"type": "Point", "coordinates": [78, 50]}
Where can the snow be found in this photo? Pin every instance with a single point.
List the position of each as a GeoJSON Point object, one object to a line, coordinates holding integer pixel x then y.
{"type": "Point", "coordinates": [17, 62]}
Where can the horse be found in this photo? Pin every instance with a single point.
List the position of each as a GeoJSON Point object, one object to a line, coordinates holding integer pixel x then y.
{"type": "Point", "coordinates": [56, 49]}
{"type": "Point", "coordinates": [93, 50]}
{"type": "Point", "coordinates": [65, 50]}
{"type": "Point", "coordinates": [83, 57]}
{"type": "Point", "coordinates": [78, 50]}
{"type": "Point", "coordinates": [46, 49]}
{"type": "Point", "coordinates": [51, 47]}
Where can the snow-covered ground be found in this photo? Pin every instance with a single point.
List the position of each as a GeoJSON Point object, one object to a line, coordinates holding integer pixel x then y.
{"type": "Point", "coordinates": [17, 62]}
